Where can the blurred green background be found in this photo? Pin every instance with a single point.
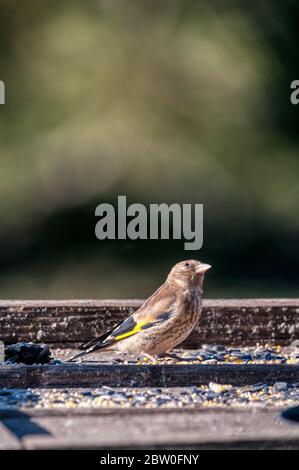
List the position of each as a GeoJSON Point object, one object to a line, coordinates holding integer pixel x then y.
{"type": "Point", "coordinates": [173, 101]}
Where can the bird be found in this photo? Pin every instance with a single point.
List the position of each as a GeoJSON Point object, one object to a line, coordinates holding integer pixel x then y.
{"type": "Point", "coordinates": [164, 320]}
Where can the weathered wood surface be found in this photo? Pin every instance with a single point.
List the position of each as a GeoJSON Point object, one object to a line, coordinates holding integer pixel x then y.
{"type": "Point", "coordinates": [8, 439]}
{"type": "Point", "coordinates": [73, 322]}
{"type": "Point", "coordinates": [131, 375]}
{"type": "Point", "coordinates": [164, 429]}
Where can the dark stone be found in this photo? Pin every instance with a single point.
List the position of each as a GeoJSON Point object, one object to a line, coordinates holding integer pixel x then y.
{"type": "Point", "coordinates": [257, 387]}
{"type": "Point", "coordinates": [220, 357]}
{"type": "Point", "coordinates": [28, 353]}
{"type": "Point", "coordinates": [268, 356]}
{"type": "Point", "coordinates": [207, 357]}
{"type": "Point", "coordinates": [218, 348]}
{"type": "Point", "coordinates": [195, 390]}
{"type": "Point", "coordinates": [242, 355]}
{"type": "Point", "coordinates": [211, 396]}
{"type": "Point", "coordinates": [280, 386]}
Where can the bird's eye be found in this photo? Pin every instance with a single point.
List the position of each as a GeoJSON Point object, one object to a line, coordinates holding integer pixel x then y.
{"type": "Point", "coordinates": [187, 265]}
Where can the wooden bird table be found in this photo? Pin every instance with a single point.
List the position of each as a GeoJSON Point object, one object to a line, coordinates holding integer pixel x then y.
{"type": "Point", "coordinates": [230, 398]}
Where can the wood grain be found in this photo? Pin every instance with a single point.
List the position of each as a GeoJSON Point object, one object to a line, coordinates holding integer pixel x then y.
{"type": "Point", "coordinates": [73, 322]}
{"type": "Point", "coordinates": [164, 429]}
{"type": "Point", "coordinates": [132, 375]}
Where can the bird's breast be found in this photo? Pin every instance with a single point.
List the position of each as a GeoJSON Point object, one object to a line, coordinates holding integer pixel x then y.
{"type": "Point", "coordinates": [188, 313]}
{"type": "Point", "coordinates": [192, 302]}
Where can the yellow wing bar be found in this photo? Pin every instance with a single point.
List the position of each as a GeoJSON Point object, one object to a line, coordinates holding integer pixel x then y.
{"type": "Point", "coordinates": [135, 330]}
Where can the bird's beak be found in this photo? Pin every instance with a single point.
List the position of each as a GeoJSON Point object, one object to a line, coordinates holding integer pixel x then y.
{"type": "Point", "coordinates": [203, 268]}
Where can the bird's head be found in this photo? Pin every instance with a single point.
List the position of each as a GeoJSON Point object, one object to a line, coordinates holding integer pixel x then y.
{"type": "Point", "coordinates": [189, 274]}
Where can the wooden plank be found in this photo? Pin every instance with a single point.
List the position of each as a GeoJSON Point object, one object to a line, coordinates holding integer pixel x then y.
{"type": "Point", "coordinates": [176, 429]}
{"type": "Point", "coordinates": [131, 375]}
{"type": "Point", "coordinates": [73, 322]}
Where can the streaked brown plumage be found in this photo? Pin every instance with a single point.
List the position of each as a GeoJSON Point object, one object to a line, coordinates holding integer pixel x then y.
{"type": "Point", "coordinates": [164, 320]}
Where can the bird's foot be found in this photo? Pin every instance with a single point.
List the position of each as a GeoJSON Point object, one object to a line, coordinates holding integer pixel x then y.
{"type": "Point", "coordinates": [148, 358]}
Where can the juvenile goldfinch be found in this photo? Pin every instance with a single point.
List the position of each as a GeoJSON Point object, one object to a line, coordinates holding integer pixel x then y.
{"type": "Point", "coordinates": [164, 320]}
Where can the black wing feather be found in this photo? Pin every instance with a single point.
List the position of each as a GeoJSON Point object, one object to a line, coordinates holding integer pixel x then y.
{"type": "Point", "coordinates": [123, 327]}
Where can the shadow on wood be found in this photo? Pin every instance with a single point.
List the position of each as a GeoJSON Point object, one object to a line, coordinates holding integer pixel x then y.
{"type": "Point", "coordinates": [22, 425]}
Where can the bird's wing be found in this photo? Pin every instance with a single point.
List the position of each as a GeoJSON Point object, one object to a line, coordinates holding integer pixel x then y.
{"type": "Point", "coordinates": [132, 325]}
{"type": "Point", "coordinates": [158, 309]}
{"type": "Point", "coordinates": [122, 326]}
{"type": "Point", "coordinates": [101, 338]}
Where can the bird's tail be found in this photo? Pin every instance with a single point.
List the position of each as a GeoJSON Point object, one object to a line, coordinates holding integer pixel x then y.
{"type": "Point", "coordinates": [84, 353]}
{"type": "Point", "coordinates": [97, 343]}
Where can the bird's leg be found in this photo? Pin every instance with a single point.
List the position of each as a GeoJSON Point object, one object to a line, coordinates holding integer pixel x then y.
{"type": "Point", "coordinates": [152, 359]}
